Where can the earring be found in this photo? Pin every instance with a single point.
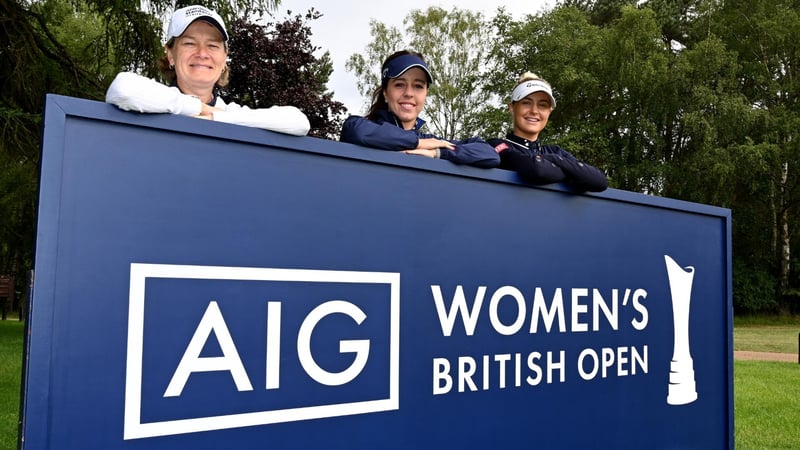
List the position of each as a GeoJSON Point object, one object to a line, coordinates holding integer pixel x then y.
{"type": "Point", "coordinates": [171, 67]}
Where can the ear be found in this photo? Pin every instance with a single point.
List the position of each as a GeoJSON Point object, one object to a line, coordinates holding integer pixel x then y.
{"type": "Point", "coordinates": [170, 56]}
{"type": "Point", "coordinates": [511, 108]}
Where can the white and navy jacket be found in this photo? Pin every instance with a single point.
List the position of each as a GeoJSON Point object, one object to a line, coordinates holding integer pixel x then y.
{"type": "Point", "coordinates": [385, 133]}
{"type": "Point", "coordinates": [545, 164]}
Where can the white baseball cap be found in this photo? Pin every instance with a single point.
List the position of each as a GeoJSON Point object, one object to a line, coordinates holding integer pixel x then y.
{"type": "Point", "coordinates": [527, 88]}
{"type": "Point", "coordinates": [184, 17]}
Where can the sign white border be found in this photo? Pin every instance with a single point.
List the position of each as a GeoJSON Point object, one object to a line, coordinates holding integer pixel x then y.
{"type": "Point", "coordinates": [133, 426]}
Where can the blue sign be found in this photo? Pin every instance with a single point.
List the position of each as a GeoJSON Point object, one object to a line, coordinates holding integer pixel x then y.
{"type": "Point", "coordinates": [204, 285]}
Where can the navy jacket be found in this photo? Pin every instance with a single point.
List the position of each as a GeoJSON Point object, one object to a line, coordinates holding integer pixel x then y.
{"type": "Point", "coordinates": [544, 164]}
{"type": "Point", "coordinates": [386, 134]}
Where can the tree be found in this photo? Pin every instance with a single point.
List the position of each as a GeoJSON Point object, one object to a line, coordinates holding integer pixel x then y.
{"type": "Point", "coordinates": [455, 47]}
{"type": "Point", "coordinates": [277, 67]}
{"type": "Point", "coordinates": [764, 36]}
{"type": "Point", "coordinates": [74, 48]}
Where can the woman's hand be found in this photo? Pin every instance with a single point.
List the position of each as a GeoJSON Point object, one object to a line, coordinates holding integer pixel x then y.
{"type": "Point", "coordinates": [423, 152]}
{"type": "Point", "coordinates": [432, 144]}
{"type": "Point", "coordinates": [207, 111]}
{"type": "Point", "coordinates": [430, 147]}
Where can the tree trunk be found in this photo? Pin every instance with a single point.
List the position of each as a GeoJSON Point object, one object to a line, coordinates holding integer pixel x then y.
{"type": "Point", "coordinates": [785, 239]}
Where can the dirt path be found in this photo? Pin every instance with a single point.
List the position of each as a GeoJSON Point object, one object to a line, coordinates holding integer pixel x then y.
{"type": "Point", "coordinates": [765, 356]}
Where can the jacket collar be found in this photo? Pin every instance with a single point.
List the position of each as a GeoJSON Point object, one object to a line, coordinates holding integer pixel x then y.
{"type": "Point", "coordinates": [521, 142]}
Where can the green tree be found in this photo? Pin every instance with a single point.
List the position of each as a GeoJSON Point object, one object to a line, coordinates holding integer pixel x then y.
{"type": "Point", "coordinates": [75, 47]}
{"type": "Point", "coordinates": [764, 36]}
{"type": "Point", "coordinates": [455, 47]}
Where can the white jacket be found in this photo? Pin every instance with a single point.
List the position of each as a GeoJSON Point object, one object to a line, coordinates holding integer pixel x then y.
{"type": "Point", "coordinates": [133, 92]}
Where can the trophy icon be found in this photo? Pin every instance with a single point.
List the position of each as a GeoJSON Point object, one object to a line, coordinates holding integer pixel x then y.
{"type": "Point", "coordinates": [681, 376]}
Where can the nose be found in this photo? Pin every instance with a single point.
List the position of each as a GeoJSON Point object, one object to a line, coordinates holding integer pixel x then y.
{"type": "Point", "coordinates": [202, 51]}
{"type": "Point", "coordinates": [408, 91]}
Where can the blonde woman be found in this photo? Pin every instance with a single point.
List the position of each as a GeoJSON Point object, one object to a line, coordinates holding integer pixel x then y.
{"type": "Point", "coordinates": [521, 150]}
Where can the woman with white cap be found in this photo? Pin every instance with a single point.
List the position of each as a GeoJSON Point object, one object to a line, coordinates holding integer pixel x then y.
{"type": "Point", "coordinates": [393, 122]}
{"type": "Point", "coordinates": [532, 102]}
{"type": "Point", "coordinates": [195, 65]}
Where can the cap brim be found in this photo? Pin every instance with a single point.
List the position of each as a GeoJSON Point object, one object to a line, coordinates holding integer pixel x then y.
{"type": "Point", "coordinates": [409, 67]}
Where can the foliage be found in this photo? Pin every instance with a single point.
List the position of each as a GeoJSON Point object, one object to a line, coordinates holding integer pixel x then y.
{"type": "Point", "coordinates": [278, 67]}
{"type": "Point", "coordinates": [753, 289]}
{"type": "Point", "coordinates": [366, 66]}
{"type": "Point", "coordinates": [75, 47]}
{"type": "Point", "coordinates": [457, 61]}
{"type": "Point", "coordinates": [677, 98]}
{"type": "Point", "coordinates": [690, 99]}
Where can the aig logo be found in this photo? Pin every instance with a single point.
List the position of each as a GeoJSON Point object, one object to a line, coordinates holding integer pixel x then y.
{"type": "Point", "coordinates": [222, 347]}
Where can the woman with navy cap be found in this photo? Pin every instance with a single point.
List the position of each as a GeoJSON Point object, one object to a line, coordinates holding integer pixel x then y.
{"type": "Point", "coordinates": [393, 122]}
{"type": "Point", "coordinates": [195, 64]}
{"type": "Point", "coordinates": [521, 150]}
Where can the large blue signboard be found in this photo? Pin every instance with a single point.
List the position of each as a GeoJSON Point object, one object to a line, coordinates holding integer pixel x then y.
{"type": "Point", "coordinates": [202, 286]}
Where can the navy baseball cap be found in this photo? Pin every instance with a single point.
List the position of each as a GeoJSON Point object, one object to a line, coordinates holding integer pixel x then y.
{"type": "Point", "coordinates": [401, 64]}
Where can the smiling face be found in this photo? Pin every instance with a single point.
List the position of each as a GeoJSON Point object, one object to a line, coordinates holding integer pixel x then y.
{"type": "Point", "coordinates": [199, 56]}
{"type": "Point", "coordinates": [531, 114]}
{"type": "Point", "coordinates": [405, 96]}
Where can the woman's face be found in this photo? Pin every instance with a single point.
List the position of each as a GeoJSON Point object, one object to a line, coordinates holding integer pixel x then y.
{"type": "Point", "coordinates": [405, 96]}
{"type": "Point", "coordinates": [199, 56]}
{"type": "Point", "coordinates": [531, 114]}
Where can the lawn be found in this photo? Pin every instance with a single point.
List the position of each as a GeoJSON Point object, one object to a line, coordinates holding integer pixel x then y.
{"type": "Point", "coordinates": [11, 333]}
{"type": "Point", "coordinates": [766, 405]}
{"type": "Point", "coordinates": [766, 394]}
{"type": "Point", "coordinates": [764, 334]}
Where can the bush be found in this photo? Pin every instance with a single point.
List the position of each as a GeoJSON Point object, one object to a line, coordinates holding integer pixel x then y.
{"type": "Point", "coordinates": [753, 290]}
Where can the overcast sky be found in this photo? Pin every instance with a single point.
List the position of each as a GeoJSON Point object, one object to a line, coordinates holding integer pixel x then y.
{"type": "Point", "coordinates": [344, 29]}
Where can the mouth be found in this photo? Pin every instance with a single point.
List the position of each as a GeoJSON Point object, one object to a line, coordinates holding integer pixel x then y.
{"type": "Point", "coordinates": [407, 106]}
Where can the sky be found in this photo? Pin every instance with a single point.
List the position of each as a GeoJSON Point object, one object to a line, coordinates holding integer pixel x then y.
{"type": "Point", "coordinates": [343, 29]}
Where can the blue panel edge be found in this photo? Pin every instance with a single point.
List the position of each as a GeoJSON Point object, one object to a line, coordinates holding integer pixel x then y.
{"type": "Point", "coordinates": [57, 110]}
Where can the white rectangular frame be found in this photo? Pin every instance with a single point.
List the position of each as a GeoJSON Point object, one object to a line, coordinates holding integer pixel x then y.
{"type": "Point", "coordinates": [133, 426]}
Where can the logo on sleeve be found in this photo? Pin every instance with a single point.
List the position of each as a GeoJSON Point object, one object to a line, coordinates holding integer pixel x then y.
{"type": "Point", "coordinates": [500, 147]}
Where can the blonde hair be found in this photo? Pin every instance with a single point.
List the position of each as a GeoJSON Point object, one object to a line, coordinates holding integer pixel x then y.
{"type": "Point", "coordinates": [528, 76]}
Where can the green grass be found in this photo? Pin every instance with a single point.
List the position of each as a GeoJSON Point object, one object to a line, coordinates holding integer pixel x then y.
{"type": "Point", "coordinates": [766, 405]}
{"type": "Point", "coordinates": [11, 334]}
{"type": "Point", "coordinates": [766, 394]}
{"type": "Point", "coordinates": [766, 334]}
{"type": "Point", "coordinates": [743, 321]}
{"type": "Point", "coordinates": [773, 338]}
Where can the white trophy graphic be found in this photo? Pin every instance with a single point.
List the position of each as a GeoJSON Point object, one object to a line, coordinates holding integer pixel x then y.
{"type": "Point", "coordinates": [681, 375]}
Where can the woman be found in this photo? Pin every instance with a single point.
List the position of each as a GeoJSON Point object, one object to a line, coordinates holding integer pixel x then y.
{"type": "Point", "coordinates": [393, 122]}
{"type": "Point", "coordinates": [532, 102]}
{"type": "Point", "coordinates": [195, 65]}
